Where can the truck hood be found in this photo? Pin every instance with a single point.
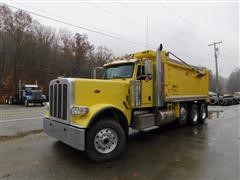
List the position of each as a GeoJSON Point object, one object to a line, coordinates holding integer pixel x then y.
{"type": "Point", "coordinates": [89, 92]}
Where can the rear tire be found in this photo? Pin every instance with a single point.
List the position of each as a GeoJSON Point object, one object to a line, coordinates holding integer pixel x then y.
{"type": "Point", "coordinates": [221, 102]}
{"type": "Point", "coordinates": [193, 114]}
{"type": "Point", "coordinates": [202, 112]}
{"type": "Point", "coordinates": [6, 101]}
{"type": "Point", "coordinates": [183, 114]}
{"type": "Point", "coordinates": [106, 140]}
{"type": "Point", "coordinates": [10, 100]}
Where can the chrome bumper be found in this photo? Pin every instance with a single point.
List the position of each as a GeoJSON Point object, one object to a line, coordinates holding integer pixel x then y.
{"type": "Point", "coordinates": [73, 136]}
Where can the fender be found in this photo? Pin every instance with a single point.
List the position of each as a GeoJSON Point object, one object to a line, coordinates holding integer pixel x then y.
{"type": "Point", "coordinates": [85, 121]}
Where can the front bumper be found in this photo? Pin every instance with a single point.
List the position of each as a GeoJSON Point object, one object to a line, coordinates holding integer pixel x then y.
{"type": "Point", "coordinates": [73, 136]}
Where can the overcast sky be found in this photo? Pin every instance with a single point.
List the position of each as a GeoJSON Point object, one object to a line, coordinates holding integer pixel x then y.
{"type": "Point", "coordinates": [184, 28]}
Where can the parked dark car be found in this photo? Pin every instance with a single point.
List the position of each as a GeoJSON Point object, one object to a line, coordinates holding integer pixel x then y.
{"type": "Point", "coordinates": [229, 100]}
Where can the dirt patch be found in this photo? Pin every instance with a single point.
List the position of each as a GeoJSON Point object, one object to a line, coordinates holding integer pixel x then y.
{"type": "Point", "coordinates": [20, 135]}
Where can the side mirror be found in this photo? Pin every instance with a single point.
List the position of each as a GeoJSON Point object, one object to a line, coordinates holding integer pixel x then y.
{"type": "Point", "coordinates": [148, 67]}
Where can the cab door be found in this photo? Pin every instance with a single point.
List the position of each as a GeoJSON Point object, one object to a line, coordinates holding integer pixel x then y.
{"type": "Point", "coordinates": [147, 87]}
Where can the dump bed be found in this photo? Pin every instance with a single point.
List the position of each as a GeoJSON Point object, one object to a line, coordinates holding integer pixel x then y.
{"type": "Point", "coordinates": [180, 81]}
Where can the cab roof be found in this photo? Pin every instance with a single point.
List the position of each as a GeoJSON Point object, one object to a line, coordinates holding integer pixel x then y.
{"type": "Point", "coordinates": [121, 61]}
{"type": "Point", "coordinates": [132, 58]}
{"type": "Point", "coordinates": [31, 86]}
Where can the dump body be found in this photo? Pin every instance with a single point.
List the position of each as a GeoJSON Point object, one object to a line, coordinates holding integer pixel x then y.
{"type": "Point", "coordinates": [179, 81]}
{"type": "Point", "coordinates": [183, 83]}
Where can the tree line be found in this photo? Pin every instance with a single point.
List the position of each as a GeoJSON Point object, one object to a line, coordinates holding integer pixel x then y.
{"type": "Point", "coordinates": [32, 51]}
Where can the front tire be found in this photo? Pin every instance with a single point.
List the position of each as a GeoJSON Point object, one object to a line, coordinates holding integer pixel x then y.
{"type": "Point", "coordinates": [193, 115]}
{"type": "Point", "coordinates": [105, 140]}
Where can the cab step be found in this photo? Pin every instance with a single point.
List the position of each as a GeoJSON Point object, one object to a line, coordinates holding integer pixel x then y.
{"type": "Point", "coordinates": [150, 128]}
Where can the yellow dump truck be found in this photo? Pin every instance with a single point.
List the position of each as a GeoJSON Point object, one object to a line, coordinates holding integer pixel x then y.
{"type": "Point", "coordinates": [142, 91]}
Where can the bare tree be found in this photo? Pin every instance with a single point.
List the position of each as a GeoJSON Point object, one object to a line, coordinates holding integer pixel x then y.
{"type": "Point", "coordinates": [102, 55]}
{"type": "Point", "coordinates": [234, 81]}
{"type": "Point", "coordinates": [32, 51]}
{"type": "Point", "coordinates": [16, 26]}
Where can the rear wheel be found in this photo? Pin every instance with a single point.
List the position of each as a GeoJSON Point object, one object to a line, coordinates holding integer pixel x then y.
{"type": "Point", "coordinates": [193, 114]}
{"type": "Point", "coordinates": [183, 114]}
{"type": "Point", "coordinates": [221, 102]}
{"type": "Point", "coordinates": [10, 100]}
{"type": "Point", "coordinates": [6, 101]}
{"type": "Point", "coordinates": [202, 112]}
{"type": "Point", "coordinates": [105, 140]}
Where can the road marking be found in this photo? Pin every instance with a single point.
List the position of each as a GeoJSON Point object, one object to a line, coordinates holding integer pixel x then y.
{"type": "Point", "coordinates": [20, 112]}
{"type": "Point", "coordinates": [22, 119]}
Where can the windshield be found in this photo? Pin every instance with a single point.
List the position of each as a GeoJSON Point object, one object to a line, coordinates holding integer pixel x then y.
{"type": "Point", "coordinates": [119, 71]}
{"type": "Point", "coordinates": [31, 88]}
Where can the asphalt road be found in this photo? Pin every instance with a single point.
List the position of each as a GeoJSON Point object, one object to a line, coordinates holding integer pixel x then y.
{"type": "Point", "coordinates": [17, 119]}
{"type": "Point", "coordinates": [204, 152]}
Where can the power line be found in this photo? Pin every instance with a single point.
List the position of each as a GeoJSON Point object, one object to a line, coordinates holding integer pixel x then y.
{"type": "Point", "coordinates": [185, 19]}
{"type": "Point", "coordinates": [142, 26]}
{"type": "Point", "coordinates": [132, 42]}
{"type": "Point", "coordinates": [90, 30]}
{"type": "Point", "coordinates": [230, 56]}
{"type": "Point", "coordinates": [76, 26]}
{"type": "Point", "coordinates": [203, 44]}
{"type": "Point", "coordinates": [99, 29]}
{"type": "Point", "coordinates": [159, 22]}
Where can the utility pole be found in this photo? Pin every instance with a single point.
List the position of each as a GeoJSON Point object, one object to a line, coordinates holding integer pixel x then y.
{"type": "Point", "coordinates": [214, 44]}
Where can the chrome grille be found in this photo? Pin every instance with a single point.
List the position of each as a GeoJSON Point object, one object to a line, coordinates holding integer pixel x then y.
{"type": "Point", "coordinates": [36, 94]}
{"type": "Point", "coordinates": [58, 100]}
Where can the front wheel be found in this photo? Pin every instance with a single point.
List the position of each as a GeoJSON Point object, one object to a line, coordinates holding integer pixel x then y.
{"type": "Point", "coordinates": [106, 140]}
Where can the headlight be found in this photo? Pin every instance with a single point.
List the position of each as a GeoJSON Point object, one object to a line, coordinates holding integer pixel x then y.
{"type": "Point", "coordinates": [79, 110]}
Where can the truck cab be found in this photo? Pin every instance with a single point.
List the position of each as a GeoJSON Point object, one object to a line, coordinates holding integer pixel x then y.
{"type": "Point", "coordinates": [31, 94]}
{"type": "Point", "coordinates": [143, 91]}
{"type": "Point", "coordinates": [27, 94]}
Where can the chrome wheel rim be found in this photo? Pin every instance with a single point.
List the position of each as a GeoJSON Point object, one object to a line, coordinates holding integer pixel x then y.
{"type": "Point", "coordinates": [105, 141]}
